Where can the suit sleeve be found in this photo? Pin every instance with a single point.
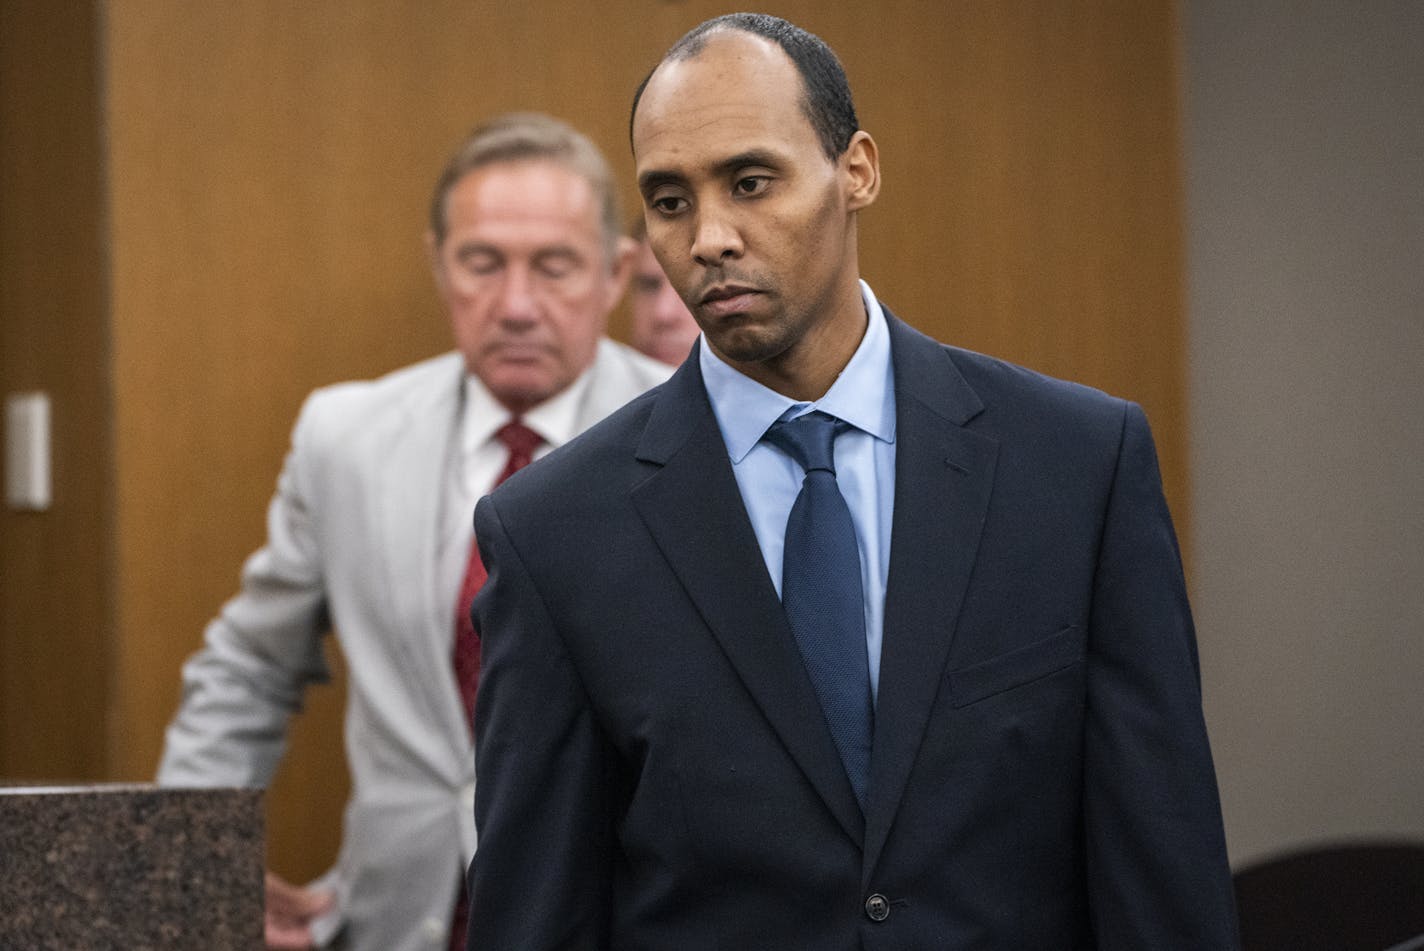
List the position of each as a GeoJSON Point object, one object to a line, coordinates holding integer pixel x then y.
{"type": "Point", "coordinates": [541, 877]}
{"type": "Point", "coordinates": [1157, 868]}
{"type": "Point", "coordinates": [260, 652]}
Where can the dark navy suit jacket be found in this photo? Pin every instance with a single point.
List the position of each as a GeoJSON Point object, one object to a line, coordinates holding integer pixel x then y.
{"type": "Point", "coordinates": [654, 771]}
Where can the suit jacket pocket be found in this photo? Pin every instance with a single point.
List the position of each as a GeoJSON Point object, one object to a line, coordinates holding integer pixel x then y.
{"type": "Point", "coordinates": [1018, 667]}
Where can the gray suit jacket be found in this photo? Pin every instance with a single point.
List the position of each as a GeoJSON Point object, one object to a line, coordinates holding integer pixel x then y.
{"type": "Point", "coordinates": [352, 546]}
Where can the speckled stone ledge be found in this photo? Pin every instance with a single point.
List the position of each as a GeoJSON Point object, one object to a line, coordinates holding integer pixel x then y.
{"type": "Point", "coordinates": [132, 867]}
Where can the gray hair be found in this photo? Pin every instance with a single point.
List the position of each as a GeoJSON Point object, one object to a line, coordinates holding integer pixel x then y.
{"type": "Point", "coordinates": [531, 136]}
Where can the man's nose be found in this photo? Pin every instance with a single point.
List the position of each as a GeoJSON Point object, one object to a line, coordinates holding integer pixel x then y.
{"type": "Point", "coordinates": [717, 239]}
{"type": "Point", "coordinates": [517, 303]}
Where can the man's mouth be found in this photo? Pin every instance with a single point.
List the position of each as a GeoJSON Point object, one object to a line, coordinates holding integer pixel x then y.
{"type": "Point", "coordinates": [520, 352]}
{"type": "Point", "coordinates": [727, 299]}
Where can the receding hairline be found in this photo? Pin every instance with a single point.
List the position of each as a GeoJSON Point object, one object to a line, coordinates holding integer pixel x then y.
{"type": "Point", "coordinates": [695, 43]}
{"type": "Point", "coordinates": [687, 52]}
{"type": "Point", "coordinates": [527, 138]}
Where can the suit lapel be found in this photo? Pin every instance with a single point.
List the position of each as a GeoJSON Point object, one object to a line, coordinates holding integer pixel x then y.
{"type": "Point", "coordinates": [614, 379]}
{"type": "Point", "coordinates": [943, 477]}
{"type": "Point", "coordinates": [694, 511]}
{"type": "Point", "coordinates": [410, 491]}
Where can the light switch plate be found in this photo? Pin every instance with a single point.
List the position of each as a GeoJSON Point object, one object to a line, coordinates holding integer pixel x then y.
{"type": "Point", "coordinates": [27, 466]}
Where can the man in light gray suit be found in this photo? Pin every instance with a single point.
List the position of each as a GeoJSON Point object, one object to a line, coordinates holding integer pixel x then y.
{"type": "Point", "coordinates": [369, 535]}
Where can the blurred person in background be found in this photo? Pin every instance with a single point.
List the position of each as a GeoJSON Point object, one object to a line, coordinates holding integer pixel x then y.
{"type": "Point", "coordinates": [662, 326]}
{"type": "Point", "coordinates": [369, 535]}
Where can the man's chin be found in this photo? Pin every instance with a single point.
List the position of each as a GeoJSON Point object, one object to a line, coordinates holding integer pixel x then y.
{"type": "Point", "coordinates": [521, 391]}
{"type": "Point", "coordinates": [747, 345]}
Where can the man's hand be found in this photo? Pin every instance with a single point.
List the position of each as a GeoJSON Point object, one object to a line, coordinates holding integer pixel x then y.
{"type": "Point", "coordinates": [289, 912]}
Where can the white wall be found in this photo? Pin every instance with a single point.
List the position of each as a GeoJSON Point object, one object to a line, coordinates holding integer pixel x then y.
{"type": "Point", "coordinates": [1305, 202]}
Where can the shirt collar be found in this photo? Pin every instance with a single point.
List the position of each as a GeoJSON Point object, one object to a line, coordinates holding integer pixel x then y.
{"type": "Point", "coordinates": [555, 419]}
{"type": "Point", "coordinates": [863, 394]}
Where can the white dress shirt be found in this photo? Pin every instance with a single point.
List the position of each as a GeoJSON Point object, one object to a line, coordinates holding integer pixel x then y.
{"type": "Point", "coordinates": [477, 459]}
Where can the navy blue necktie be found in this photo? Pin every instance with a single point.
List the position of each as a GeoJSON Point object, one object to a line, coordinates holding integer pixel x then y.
{"type": "Point", "coordinates": [821, 590]}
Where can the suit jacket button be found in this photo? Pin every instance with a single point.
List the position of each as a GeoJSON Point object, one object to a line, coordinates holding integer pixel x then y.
{"type": "Point", "coordinates": [877, 907]}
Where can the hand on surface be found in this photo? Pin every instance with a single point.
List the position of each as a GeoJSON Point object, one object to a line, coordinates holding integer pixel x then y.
{"type": "Point", "coordinates": [289, 911]}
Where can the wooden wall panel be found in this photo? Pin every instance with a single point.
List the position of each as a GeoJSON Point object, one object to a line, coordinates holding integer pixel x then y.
{"type": "Point", "coordinates": [1031, 205]}
{"type": "Point", "coordinates": [54, 566]}
{"type": "Point", "coordinates": [269, 169]}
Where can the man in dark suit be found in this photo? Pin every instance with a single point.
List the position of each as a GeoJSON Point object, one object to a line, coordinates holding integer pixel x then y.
{"type": "Point", "coordinates": [842, 638]}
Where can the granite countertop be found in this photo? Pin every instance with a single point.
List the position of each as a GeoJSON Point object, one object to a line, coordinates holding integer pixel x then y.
{"type": "Point", "coordinates": [130, 866]}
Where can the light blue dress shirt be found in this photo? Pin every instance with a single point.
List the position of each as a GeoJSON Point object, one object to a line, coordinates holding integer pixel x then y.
{"type": "Point", "coordinates": [864, 396]}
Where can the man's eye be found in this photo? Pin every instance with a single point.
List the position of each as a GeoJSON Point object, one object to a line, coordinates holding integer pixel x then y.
{"type": "Point", "coordinates": [751, 184]}
{"type": "Point", "coordinates": [668, 204]}
{"type": "Point", "coordinates": [556, 267]}
{"type": "Point", "coordinates": [480, 262]}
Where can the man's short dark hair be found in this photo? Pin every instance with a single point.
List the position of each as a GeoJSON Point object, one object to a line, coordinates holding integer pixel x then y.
{"type": "Point", "coordinates": [826, 99]}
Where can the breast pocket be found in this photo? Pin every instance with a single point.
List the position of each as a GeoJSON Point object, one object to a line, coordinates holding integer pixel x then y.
{"type": "Point", "coordinates": [1018, 668]}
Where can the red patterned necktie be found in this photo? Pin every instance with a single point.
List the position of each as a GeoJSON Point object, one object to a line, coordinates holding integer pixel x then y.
{"type": "Point", "coordinates": [521, 441]}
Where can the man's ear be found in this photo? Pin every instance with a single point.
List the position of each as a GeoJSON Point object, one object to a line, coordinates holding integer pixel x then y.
{"type": "Point", "coordinates": [432, 257]}
{"type": "Point", "coordinates": [862, 170]}
{"type": "Point", "coordinates": [624, 254]}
